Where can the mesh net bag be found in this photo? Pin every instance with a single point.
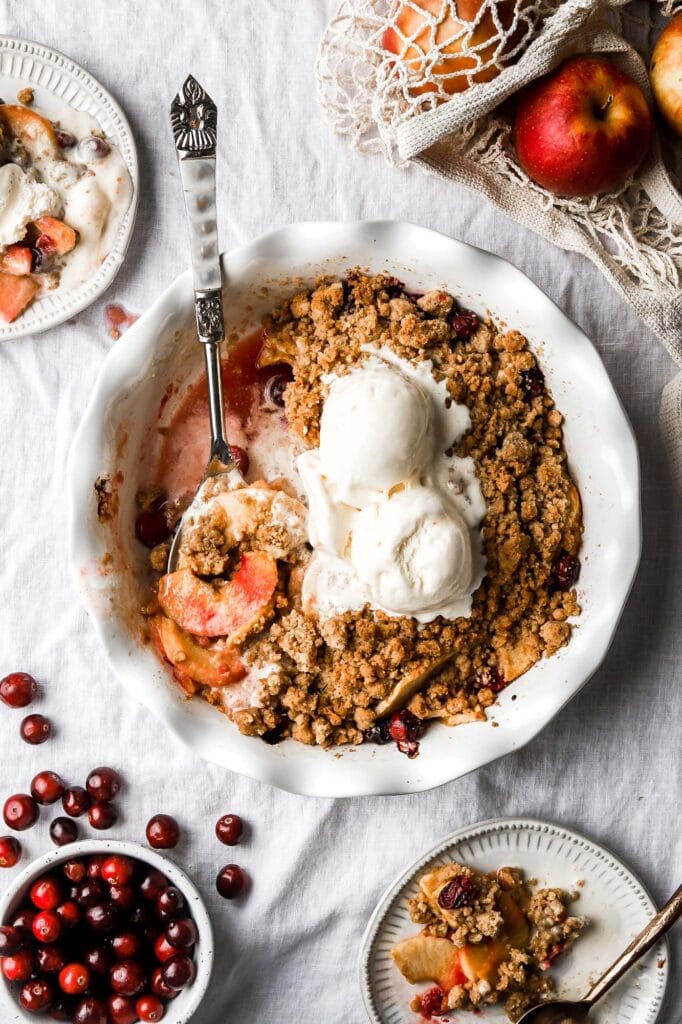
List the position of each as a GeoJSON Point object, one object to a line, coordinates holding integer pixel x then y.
{"type": "Point", "coordinates": [425, 81]}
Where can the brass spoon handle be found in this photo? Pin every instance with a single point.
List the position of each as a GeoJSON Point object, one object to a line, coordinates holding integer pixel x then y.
{"type": "Point", "coordinates": [640, 945]}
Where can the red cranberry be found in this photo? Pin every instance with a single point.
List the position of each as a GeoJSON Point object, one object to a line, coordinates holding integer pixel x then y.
{"type": "Point", "coordinates": [90, 1011]}
{"type": "Point", "coordinates": [149, 1009]}
{"type": "Point", "coordinates": [10, 851]}
{"type": "Point", "coordinates": [432, 1002]}
{"type": "Point", "coordinates": [19, 966]}
{"type": "Point", "coordinates": [47, 788]}
{"type": "Point", "coordinates": [49, 959]}
{"type": "Point", "coordinates": [35, 729]}
{"type": "Point", "coordinates": [170, 903]}
{"type": "Point", "coordinates": [74, 870]}
{"type": "Point", "coordinates": [179, 971]}
{"type": "Point", "coordinates": [229, 829]}
{"type": "Point", "coordinates": [103, 917]}
{"type": "Point", "coordinates": [240, 458]}
{"type": "Point", "coordinates": [69, 914]}
{"type": "Point", "coordinates": [406, 730]}
{"type": "Point", "coordinates": [11, 940]}
{"type": "Point", "coordinates": [231, 881]}
{"type": "Point", "coordinates": [102, 816]}
{"type": "Point", "coordinates": [74, 979]}
{"type": "Point", "coordinates": [103, 784]}
{"type": "Point", "coordinates": [532, 382]}
{"type": "Point", "coordinates": [75, 801]}
{"type": "Point", "coordinates": [163, 832]}
{"type": "Point", "coordinates": [490, 678]}
{"type": "Point", "coordinates": [378, 733]}
{"type": "Point", "coordinates": [24, 922]}
{"type": "Point", "coordinates": [47, 927]}
{"type": "Point", "coordinates": [36, 996]}
{"type": "Point", "coordinates": [63, 831]}
{"type": "Point", "coordinates": [94, 865]}
{"type": "Point", "coordinates": [163, 950]}
{"type": "Point", "coordinates": [126, 945]}
{"type": "Point", "coordinates": [459, 892]}
{"type": "Point", "coordinates": [122, 896]}
{"type": "Point", "coordinates": [127, 977]}
{"type": "Point", "coordinates": [151, 526]}
{"type": "Point", "coordinates": [93, 148]}
{"type": "Point", "coordinates": [464, 323]}
{"type": "Point", "coordinates": [159, 986]}
{"type": "Point", "coordinates": [46, 894]}
{"type": "Point", "coordinates": [65, 140]}
{"type": "Point", "coordinates": [152, 885]}
{"type": "Point", "coordinates": [20, 812]}
{"type": "Point", "coordinates": [182, 933]}
{"type": "Point", "coordinates": [565, 572]}
{"type": "Point", "coordinates": [117, 870]}
{"type": "Point", "coordinates": [121, 1010]}
{"type": "Point", "coordinates": [89, 892]}
{"type": "Point", "coordinates": [18, 689]}
{"type": "Point", "coordinates": [98, 959]}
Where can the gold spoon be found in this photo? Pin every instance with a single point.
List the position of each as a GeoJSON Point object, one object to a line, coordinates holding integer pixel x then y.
{"type": "Point", "coordinates": [561, 1011]}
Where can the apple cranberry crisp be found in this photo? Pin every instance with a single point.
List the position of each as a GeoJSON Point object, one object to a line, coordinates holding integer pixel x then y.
{"type": "Point", "coordinates": [485, 939]}
{"type": "Point", "coordinates": [234, 620]}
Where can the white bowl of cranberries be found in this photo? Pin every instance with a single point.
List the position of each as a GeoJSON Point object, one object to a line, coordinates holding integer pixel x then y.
{"type": "Point", "coordinates": [103, 932]}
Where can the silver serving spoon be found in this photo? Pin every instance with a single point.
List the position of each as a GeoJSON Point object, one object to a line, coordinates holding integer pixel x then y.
{"type": "Point", "coordinates": [565, 1012]}
{"type": "Point", "coordinates": [194, 119]}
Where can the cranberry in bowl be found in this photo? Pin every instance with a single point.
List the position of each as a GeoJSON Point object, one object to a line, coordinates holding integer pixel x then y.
{"type": "Point", "coordinates": [102, 959]}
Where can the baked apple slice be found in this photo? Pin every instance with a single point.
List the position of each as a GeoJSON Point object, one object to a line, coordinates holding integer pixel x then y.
{"type": "Point", "coordinates": [428, 958]}
{"type": "Point", "coordinates": [232, 608]}
{"type": "Point", "coordinates": [407, 686]}
{"type": "Point", "coordinates": [56, 236]}
{"type": "Point", "coordinates": [16, 260]}
{"type": "Point", "coordinates": [480, 961]}
{"type": "Point", "coordinates": [15, 295]}
{"type": "Point", "coordinates": [33, 130]}
{"type": "Point", "coordinates": [217, 665]}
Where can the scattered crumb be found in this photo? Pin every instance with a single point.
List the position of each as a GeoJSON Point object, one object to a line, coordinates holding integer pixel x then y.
{"type": "Point", "coordinates": [25, 96]}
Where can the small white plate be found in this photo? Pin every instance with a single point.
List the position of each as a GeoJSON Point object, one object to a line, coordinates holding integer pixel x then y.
{"type": "Point", "coordinates": [57, 81]}
{"type": "Point", "coordinates": [612, 898]}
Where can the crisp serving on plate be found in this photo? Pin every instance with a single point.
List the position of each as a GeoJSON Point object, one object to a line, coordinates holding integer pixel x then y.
{"type": "Point", "coordinates": [486, 939]}
{"type": "Point", "coordinates": [407, 542]}
{"type": "Point", "coordinates": [64, 190]}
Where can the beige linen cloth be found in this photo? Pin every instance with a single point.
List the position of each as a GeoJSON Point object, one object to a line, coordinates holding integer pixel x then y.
{"type": "Point", "coordinates": [634, 235]}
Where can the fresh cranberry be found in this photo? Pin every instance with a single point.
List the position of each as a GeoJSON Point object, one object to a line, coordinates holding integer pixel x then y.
{"type": "Point", "coordinates": [102, 815]}
{"type": "Point", "coordinates": [47, 788]}
{"type": "Point", "coordinates": [126, 945]}
{"type": "Point", "coordinates": [89, 892]}
{"type": "Point", "coordinates": [46, 894]}
{"type": "Point", "coordinates": [11, 940]}
{"type": "Point", "coordinates": [122, 896]}
{"type": "Point", "coordinates": [149, 1009]}
{"type": "Point", "coordinates": [93, 148]}
{"type": "Point", "coordinates": [151, 526]}
{"type": "Point", "coordinates": [170, 903]}
{"type": "Point", "coordinates": [23, 921]}
{"type": "Point", "coordinates": [98, 959]}
{"type": "Point", "coordinates": [20, 812]}
{"type": "Point", "coordinates": [35, 729]}
{"type": "Point", "coordinates": [163, 950]}
{"type": "Point", "coordinates": [19, 966]}
{"type": "Point", "coordinates": [163, 832]}
{"type": "Point", "coordinates": [49, 959]}
{"type": "Point", "coordinates": [406, 730]}
{"type": "Point", "coordinates": [159, 986]}
{"type": "Point", "coordinates": [240, 458]}
{"type": "Point", "coordinates": [10, 851]}
{"type": "Point", "coordinates": [90, 1011]}
{"type": "Point", "coordinates": [565, 571]}
{"type": "Point", "coordinates": [65, 140]}
{"type": "Point", "coordinates": [94, 865]}
{"type": "Point", "coordinates": [63, 831]}
{"type": "Point", "coordinates": [152, 885]}
{"type": "Point", "coordinates": [69, 914]}
{"type": "Point", "coordinates": [117, 870]}
{"type": "Point", "coordinates": [231, 881]}
{"type": "Point", "coordinates": [182, 933]}
{"type": "Point", "coordinates": [121, 1010]}
{"type": "Point", "coordinates": [490, 678]}
{"type": "Point", "coordinates": [459, 892]}
{"type": "Point", "coordinates": [275, 387]}
{"type": "Point", "coordinates": [431, 1002]}
{"type": "Point", "coordinates": [127, 977]}
{"type": "Point", "coordinates": [36, 996]}
{"type": "Point", "coordinates": [103, 784]}
{"type": "Point", "coordinates": [532, 382]}
{"type": "Point", "coordinates": [75, 870]}
{"type": "Point", "coordinates": [76, 801]}
{"type": "Point", "coordinates": [179, 971]}
{"type": "Point", "coordinates": [378, 733]}
{"type": "Point", "coordinates": [74, 979]}
{"type": "Point", "coordinates": [464, 323]}
{"type": "Point", "coordinates": [42, 255]}
{"type": "Point", "coordinates": [47, 927]}
{"type": "Point", "coordinates": [102, 917]}
{"type": "Point", "coordinates": [18, 689]}
{"type": "Point", "coordinates": [229, 829]}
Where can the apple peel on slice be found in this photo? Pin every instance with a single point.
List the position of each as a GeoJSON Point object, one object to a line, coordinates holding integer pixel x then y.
{"type": "Point", "coordinates": [15, 295]}
{"type": "Point", "coordinates": [230, 609]}
{"type": "Point", "coordinates": [428, 958]}
{"type": "Point", "coordinates": [215, 666]}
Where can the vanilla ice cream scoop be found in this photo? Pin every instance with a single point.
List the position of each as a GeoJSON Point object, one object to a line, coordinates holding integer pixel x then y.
{"type": "Point", "coordinates": [413, 553]}
{"type": "Point", "coordinates": [375, 432]}
{"type": "Point", "coordinates": [22, 199]}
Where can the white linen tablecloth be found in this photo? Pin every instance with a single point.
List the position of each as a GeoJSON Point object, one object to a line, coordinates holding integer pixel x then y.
{"type": "Point", "coordinates": [608, 765]}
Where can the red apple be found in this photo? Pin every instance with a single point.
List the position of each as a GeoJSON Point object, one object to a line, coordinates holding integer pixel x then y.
{"type": "Point", "coordinates": [666, 73]}
{"type": "Point", "coordinates": [583, 129]}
